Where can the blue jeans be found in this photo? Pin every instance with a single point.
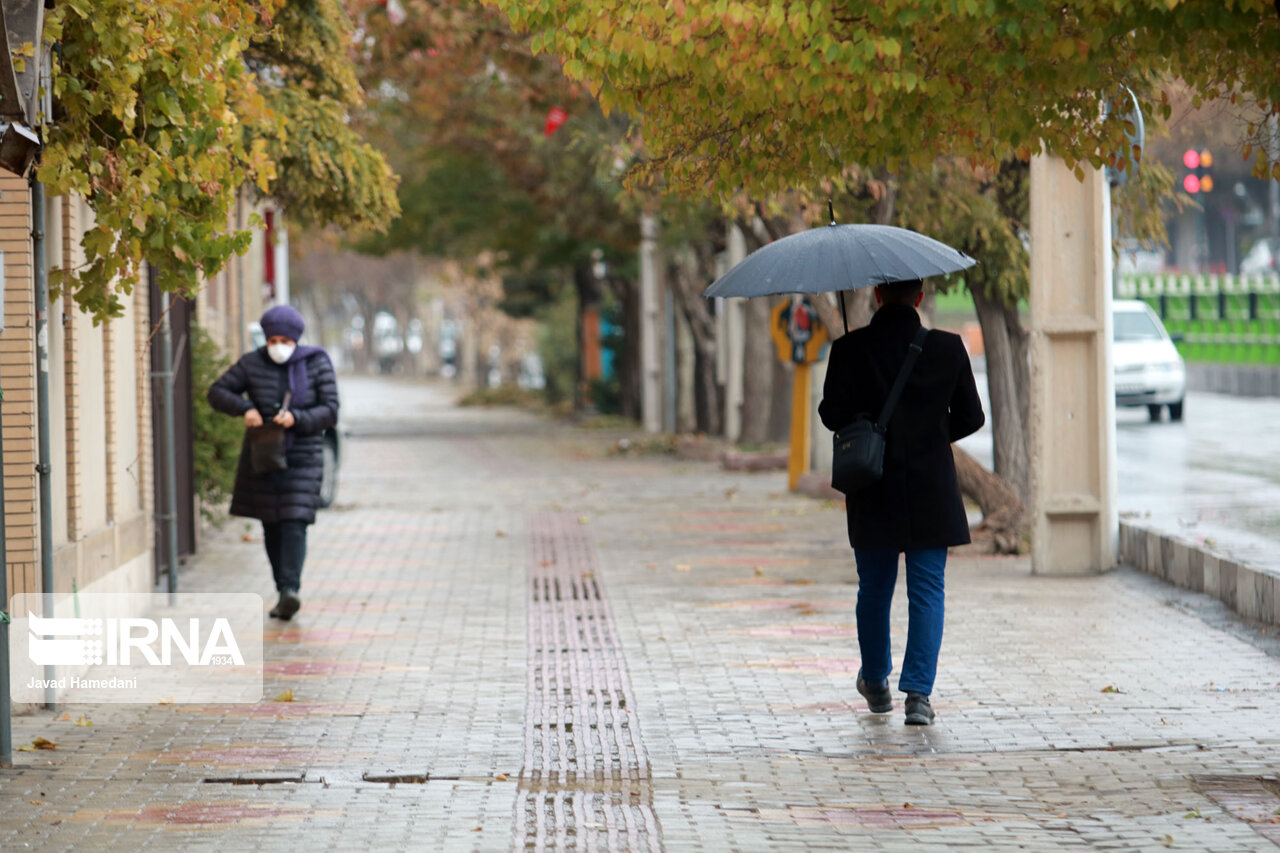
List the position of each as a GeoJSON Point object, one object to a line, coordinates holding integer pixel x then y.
{"type": "Point", "coordinates": [877, 576]}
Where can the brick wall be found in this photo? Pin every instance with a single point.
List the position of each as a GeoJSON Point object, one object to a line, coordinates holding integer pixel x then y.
{"type": "Point", "coordinates": [17, 379]}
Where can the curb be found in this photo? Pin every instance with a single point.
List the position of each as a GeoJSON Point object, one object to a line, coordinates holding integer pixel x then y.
{"type": "Point", "coordinates": [1241, 380]}
{"type": "Point", "coordinates": [1251, 591]}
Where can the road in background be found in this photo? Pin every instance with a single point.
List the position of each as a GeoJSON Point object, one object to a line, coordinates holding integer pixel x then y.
{"type": "Point", "coordinates": [1214, 478]}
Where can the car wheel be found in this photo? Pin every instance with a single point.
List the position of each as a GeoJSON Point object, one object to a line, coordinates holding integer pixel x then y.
{"type": "Point", "coordinates": [1175, 411]}
{"type": "Point", "coordinates": [329, 475]}
{"type": "Point", "coordinates": [1153, 413]}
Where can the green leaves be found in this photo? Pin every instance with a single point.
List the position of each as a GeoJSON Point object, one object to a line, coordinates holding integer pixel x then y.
{"type": "Point", "coordinates": [166, 108]}
{"type": "Point", "coordinates": [747, 90]}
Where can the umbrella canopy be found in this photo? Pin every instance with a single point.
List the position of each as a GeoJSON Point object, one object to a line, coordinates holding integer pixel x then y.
{"type": "Point", "coordinates": [839, 257]}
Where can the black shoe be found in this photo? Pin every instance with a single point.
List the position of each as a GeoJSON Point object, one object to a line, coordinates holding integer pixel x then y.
{"type": "Point", "coordinates": [919, 711]}
{"type": "Point", "coordinates": [274, 612]}
{"type": "Point", "coordinates": [879, 699]}
{"type": "Point", "coordinates": [287, 605]}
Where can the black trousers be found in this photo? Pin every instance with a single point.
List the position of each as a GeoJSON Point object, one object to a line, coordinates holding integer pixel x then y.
{"type": "Point", "coordinates": [286, 549]}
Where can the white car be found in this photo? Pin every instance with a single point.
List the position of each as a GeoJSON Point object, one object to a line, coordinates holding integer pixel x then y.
{"type": "Point", "coordinates": [1148, 369]}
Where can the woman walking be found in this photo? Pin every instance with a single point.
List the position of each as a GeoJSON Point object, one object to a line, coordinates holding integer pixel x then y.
{"type": "Point", "coordinates": [278, 479]}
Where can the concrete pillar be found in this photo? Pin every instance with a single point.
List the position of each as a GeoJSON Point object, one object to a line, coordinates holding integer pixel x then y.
{"type": "Point", "coordinates": [1072, 392]}
{"type": "Point", "coordinates": [734, 338]}
{"type": "Point", "coordinates": [650, 334]}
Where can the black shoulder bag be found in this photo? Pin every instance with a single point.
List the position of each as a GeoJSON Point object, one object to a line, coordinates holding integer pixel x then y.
{"type": "Point", "coordinates": [268, 451]}
{"type": "Point", "coordinates": [857, 459]}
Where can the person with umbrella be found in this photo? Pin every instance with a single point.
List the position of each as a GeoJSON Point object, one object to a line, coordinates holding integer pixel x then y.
{"type": "Point", "coordinates": [914, 507]}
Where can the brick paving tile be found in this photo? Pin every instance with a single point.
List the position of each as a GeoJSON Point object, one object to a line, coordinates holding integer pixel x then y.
{"type": "Point", "coordinates": [513, 638]}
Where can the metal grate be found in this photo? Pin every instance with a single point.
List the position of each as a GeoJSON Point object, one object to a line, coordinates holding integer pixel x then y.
{"type": "Point", "coordinates": [586, 782]}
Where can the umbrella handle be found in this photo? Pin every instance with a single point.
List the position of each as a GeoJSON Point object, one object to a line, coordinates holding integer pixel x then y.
{"type": "Point", "coordinates": [843, 315]}
{"type": "Point", "coordinates": [831, 210]}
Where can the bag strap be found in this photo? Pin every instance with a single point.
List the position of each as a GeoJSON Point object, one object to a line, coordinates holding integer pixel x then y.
{"type": "Point", "coordinates": [913, 352]}
{"type": "Point", "coordinates": [288, 398]}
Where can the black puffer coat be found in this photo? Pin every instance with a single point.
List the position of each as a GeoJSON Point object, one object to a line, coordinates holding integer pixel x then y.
{"type": "Point", "coordinates": [293, 494]}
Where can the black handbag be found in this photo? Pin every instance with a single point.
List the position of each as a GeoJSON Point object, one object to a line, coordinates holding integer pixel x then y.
{"type": "Point", "coordinates": [857, 458]}
{"type": "Point", "coordinates": [268, 450]}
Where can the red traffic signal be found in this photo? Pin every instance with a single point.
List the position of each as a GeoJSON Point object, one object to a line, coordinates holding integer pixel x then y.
{"type": "Point", "coordinates": [1198, 163]}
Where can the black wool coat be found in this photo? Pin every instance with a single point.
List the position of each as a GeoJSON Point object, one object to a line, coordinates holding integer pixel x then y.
{"type": "Point", "coordinates": [257, 382]}
{"type": "Point", "coordinates": [917, 502]}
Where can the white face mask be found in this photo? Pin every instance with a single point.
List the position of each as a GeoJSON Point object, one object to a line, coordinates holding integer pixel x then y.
{"type": "Point", "coordinates": [280, 353]}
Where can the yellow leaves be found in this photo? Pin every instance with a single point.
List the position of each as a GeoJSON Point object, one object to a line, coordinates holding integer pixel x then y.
{"type": "Point", "coordinates": [38, 743]}
{"type": "Point", "coordinates": [284, 696]}
{"type": "Point", "coordinates": [1063, 48]}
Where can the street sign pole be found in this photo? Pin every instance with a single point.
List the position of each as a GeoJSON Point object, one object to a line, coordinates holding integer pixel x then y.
{"type": "Point", "coordinates": [798, 462]}
{"type": "Point", "coordinates": [801, 340]}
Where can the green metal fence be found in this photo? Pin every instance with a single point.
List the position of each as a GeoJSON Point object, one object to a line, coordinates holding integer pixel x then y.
{"type": "Point", "coordinates": [1221, 318]}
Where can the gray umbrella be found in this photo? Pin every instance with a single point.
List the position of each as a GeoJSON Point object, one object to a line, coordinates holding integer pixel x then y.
{"type": "Point", "coordinates": [839, 257]}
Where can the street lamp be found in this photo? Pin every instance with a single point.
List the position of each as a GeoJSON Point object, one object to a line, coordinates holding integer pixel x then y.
{"type": "Point", "coordinates": [19, 146]}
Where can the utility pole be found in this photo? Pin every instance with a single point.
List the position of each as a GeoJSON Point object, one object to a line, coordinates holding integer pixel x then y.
{"type": "Point", "coordinates": [169, 517]}
{"type": "Point", "coordinates": [650, 340]}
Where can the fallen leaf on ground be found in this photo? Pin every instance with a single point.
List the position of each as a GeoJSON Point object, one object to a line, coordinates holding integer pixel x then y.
{"type": "Point", "coordinates": [84, 721]}
{"type": "Point", "coordinates": [38, 743]}
{"type": "Point", "coordinates": [759, 572]}
{"type": "Point", "coordinates": [285, 696]}
{"type": "Point", "coordinates": [502, 777]}
{"type": "Point", "coordinates": [500, 534]}
{"type": "Point", "coordinates": [684, 567]}
{"type": "Point", "coordinates": [65, 716]}
{"type": "Point", "coordinates": [1167, 841]}
{"type": "Point", "coordinates": [1111, 689]}
{"type": "Point", "coordinates": [38, 802]}
{"type": "Point", "coordinates": [584, 519]}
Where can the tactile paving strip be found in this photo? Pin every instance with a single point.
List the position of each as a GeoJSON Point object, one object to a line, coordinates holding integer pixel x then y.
{"type": "Point", "coordinates": [585, 784]}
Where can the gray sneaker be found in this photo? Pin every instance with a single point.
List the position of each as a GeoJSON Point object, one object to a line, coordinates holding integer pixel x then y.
{"type": "Point", "coordinates": [879, 699]}
{"type": "Point", "coordinates": [919, 711]}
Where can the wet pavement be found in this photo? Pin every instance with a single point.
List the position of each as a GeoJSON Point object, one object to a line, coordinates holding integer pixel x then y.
{"type": "Point", "coordinates": [1213, 479]}
{"type": "Point", "coordinates": [515, 639]}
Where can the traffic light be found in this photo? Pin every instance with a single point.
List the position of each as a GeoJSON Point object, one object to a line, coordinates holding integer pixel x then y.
{"type": "Point", "coordinates": [1198, 178]}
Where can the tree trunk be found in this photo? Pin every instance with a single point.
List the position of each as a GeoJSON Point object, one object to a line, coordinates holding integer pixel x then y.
{"type": "Point", "coordinates": [1008, 426]}
{"type": "Point", "coordinates": [780, 414]}
{"type": "Point", "coordinates": [686, 281]}
{"type": "Point", "coordinates": [707, 396]}
{"type": "Point", "coordinates": [686, 376]}
{"type": "Point", "coordinates": [628, 363]}
{"type": "Point", "coordinates": [588, 292]}
{"type": "Point", "coordinates": [1002, 530]}
{"type": "Point", "coordinates": [759, 355]}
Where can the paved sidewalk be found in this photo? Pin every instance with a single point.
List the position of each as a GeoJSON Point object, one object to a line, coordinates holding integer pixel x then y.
{"type": "Point", "coordinates": [512, 639]}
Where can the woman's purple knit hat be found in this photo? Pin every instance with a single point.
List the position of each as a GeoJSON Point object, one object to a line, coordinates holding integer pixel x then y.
{"type": "Point", "coordinates": [283, 320]}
